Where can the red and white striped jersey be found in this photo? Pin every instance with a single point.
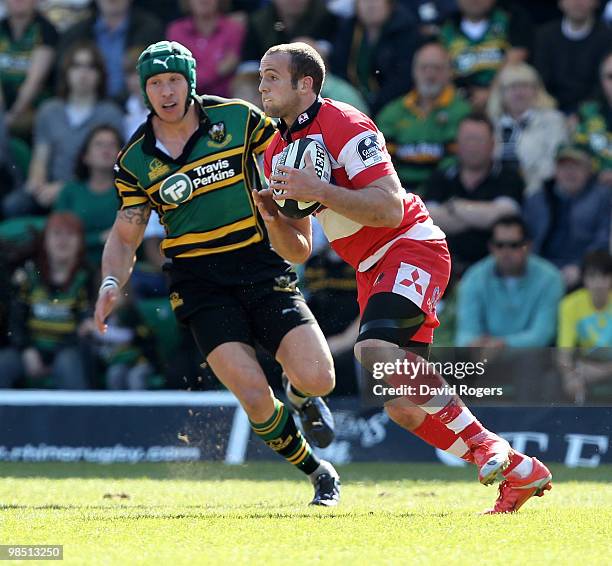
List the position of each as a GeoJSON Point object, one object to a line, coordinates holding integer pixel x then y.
{"type": "Point", "coordinates": [359, 157]}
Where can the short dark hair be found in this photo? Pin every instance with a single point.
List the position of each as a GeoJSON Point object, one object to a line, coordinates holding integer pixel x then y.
{"type": "Point", "coordinates": [81, 170]}
{"type": "Point", "coordinates": [68, 60]}
{"type": "Point", "coordinates": [599, 261]}
{"type": "Point", "coordinates": [305, 61]}
{"type": "Point", "coordinates": [512, 220]}
{"type": "Point", "coordinates": [479, 118]}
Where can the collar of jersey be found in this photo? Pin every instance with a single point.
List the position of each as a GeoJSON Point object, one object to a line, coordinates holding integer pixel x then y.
{"type": "Point", "coordinates": [302, 121]}
{"type": "Point", "coordinates": [149, 142]}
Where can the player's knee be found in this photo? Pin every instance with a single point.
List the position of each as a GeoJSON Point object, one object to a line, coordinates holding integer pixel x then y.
{"type": "Point", "coordinates": [255, 400]}
{"type": "Point", "coordinates": [253, 392]}
{"type": "Point", "coordinates": [316, 379]}
{"type": "Point", "coordinates": [408, 418]}
{"type": "Point", "coordinates": [372, 344]}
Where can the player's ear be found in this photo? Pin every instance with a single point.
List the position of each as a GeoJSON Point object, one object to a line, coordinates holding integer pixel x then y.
{"type": "Point", "coordinates": [306, 84]}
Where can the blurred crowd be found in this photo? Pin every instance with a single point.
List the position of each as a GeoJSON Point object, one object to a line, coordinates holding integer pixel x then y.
{"type": "Point", "coordinates": [498, 113]}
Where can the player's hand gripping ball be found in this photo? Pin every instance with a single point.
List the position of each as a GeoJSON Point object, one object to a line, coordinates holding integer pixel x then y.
{"type": "Point", "coordinates": [294, 156]}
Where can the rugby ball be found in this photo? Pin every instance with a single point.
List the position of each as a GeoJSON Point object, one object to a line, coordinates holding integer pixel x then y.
{"type": "Point", "coordinates": [294, 156]}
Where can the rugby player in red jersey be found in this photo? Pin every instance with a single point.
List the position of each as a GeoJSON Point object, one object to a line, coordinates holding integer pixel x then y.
{"type": "Point", "coordinates": [399, 254]}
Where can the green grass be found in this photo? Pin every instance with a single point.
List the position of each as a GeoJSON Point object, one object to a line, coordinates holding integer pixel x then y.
{"type": "Point", "coordinates": [212, 514]}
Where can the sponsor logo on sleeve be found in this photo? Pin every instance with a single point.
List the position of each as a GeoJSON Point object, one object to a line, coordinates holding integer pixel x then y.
{"type": "Point", "coordinates": [369, 150]}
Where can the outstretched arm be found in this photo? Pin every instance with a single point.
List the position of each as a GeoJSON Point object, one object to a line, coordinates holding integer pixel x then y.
{"type": "Point", "coordinates": [118, 258]}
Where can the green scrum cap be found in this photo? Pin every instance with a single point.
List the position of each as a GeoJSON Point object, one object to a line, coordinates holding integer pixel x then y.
{"type": "Point", "coordinates": [166, 57]}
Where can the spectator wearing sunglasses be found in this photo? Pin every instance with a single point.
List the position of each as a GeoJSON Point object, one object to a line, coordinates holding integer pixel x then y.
{"type": "Point", "coordinates": [570, 216]}
{"type": "Point", "coordinates": [511, 297]}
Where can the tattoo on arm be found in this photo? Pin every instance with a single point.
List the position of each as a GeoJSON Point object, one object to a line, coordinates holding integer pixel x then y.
{"type": "Point", "coordinates": [136, 214]}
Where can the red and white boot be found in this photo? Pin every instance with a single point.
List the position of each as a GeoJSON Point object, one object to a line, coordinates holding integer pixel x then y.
{"type": "Point", "coordinates": [515, 491]}
{"type": "Point", "coordinates": [491, 455]}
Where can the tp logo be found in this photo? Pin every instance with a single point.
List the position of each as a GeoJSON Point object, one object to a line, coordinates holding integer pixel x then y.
{"type": "Point", "coordinates": [176, 189]}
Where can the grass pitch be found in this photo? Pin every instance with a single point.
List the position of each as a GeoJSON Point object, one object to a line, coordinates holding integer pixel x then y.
{"type": "Point", "coordinates": [256, 514]}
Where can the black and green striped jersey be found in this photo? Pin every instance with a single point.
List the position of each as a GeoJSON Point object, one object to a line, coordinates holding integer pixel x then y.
{"type": "Point", "coordinates": [420, 142]}
{"type": "Point", "coordinates": [48, 317]}
{"type": "Point", "coordinates": [16, 53]}
{"type": "Point", "coordinates": [594, 131]}
{"type": "Point", "coordinates": [477, 60]}
{"type": "Point", "coordinates": [203, 197]}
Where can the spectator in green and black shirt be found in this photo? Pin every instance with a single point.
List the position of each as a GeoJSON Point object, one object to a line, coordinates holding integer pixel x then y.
{"type": "Point", "coordinates": [52, 303]}
{"type": "Point", "coordinates": [27, 48]}
{"type": "Point", "coordinates": [595, 124]}
{"type": "Point", "coordinates": [421, 127]}
{"type": "Point", "coordinates": [481, 38]}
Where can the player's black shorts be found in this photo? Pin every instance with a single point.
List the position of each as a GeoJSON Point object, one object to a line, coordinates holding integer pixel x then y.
{"type": "Point", "coordinates": [255, 301]}
{"type": "Point", "coordinates": [394, 319]}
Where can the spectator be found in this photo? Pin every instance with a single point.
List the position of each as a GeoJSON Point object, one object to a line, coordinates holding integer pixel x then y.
{"type": "Point", "coordinates": [482, 38]}
{"type": "Point", "coordinates": [585, 329]}
{"type": "Point", "coordinates": [595, 123]}
{"type": "Point", "coordinates": [468, 198]}
{"type": "Point", "coordinates": [92, 195]}
{"type": "Point", "coordinates": [511, 297]}
{"type": "Point", "coordinates": [570, 216]}
{"type": "Point", "coordinates": [430, 14]}
{"type": "Point", "coordinates": [62, 125]}
{"type": "Point", "coordinates": [115, 28]}
{"type": "Point", "coordinates": [569, 51]}
{"type": "Point", "coordinates": [215, 41]}
{"type": "Point", "coordinates": [528, 129]}
{"type": "Point", "coordinates": [136, 111]}
{"type": "Point", "coordinates": [334, 86]}
{"type": "Point", "coordinates": [65, 13]}
{"type": "Point", "coordinates": [281, 21]}
{"type": "Point", "coordinates": [374, 51]}
{"type": "Point", "coordinates": [421, 127]}
{"type": "Point", "coordinates": [52, 303]}
{"type": "Point", "coordinates": [27, 48]}
{"type": "Point", "coordinates": [164, 10]}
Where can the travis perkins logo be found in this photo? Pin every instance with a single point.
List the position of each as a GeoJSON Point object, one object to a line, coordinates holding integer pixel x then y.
{"type": "Point", "coordinates": [369, 150]}
{"type": "Point", "coordinates": [179, 187]}
{"type": "Point", "coordinates": [213, 173]}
